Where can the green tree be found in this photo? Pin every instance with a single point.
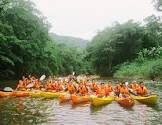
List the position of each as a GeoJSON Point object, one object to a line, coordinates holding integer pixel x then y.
{"type": "Point", "coordinates": [115, 45]}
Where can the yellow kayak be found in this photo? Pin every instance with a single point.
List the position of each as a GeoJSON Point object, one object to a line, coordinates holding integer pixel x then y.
{"type": "Point", "coordinates": [150, 100]}
{"type": "Point", "coordinates": [35, 94]}
{"type": "Point", "coordinates": [49, 94]}
{"type": "Point", "coordinates": [95, 101]}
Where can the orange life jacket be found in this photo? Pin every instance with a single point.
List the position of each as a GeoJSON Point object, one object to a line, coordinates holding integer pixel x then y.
{"type": "Point", "coordinates": [37, 85]}
{"type": "Point", "coordinates": [71, 89]}
{"type": "Point", "coordinates": [101, 91]}
{"type": "Point", "coordinates": [108, 89]}
{"type": "Point", "coordinates": [117, 88]}
{"type": "Point", "coordinates": [142, 90]}
{"type": "Point", "coordinates": [59, 87]}
{"type": "Point", "coordinates": [52, 86]}
{"type": "Point", "coordinates": [134, 87]}
{"type": "Point", "coordinates": [124, 90]}
{"type": "Point", "coordinates": [83, 90]}
{"type": "Point", "coordinates": [94, 86]}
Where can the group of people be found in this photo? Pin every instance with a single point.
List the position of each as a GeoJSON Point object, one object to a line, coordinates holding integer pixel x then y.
{"type": "Point", "coordinates": [83, 87]}
{"type": "Point", "coordinates": [126, 89]}
{"type": "Point", "coordinates": [25, 81]}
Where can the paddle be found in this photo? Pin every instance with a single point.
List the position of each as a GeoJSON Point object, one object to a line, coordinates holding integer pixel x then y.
{"type": "Point", "coordinates": [42, 78]}
{"type": "Point", "coordinates": [8, 89]}
{"type": "Point", "coordinates": [150, 94]}
{"type": "Point", "coordinates": [135, 94]}
{"type": "Point", "coordinates": [131, 91]}
{"type": "Point", "coordinates": [30, 85]}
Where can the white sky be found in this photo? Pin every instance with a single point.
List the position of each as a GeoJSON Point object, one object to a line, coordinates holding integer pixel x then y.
{"type": "Point", "coordinates": [84, 18]}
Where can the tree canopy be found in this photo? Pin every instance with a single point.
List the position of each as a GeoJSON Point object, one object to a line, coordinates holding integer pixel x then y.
{"type": "Point", "coordinates": [26, 46]}
{"type": "Point", "coordinates": [121, 43]}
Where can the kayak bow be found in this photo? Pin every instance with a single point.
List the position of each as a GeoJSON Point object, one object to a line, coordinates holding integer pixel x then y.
{"type": "Point", "coordinates": [95, 101]}
{"type": "Point", "coordinates": [150, 100]}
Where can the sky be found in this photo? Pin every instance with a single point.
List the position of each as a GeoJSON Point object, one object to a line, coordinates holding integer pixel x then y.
{"type": "Point", "coordinates": [84, 18]}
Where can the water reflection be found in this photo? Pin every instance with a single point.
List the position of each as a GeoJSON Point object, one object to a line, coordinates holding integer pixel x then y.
{"type": "Point", "coordinates": [96, 109]}
{"type": "Point", "coordinates": [21, 111]}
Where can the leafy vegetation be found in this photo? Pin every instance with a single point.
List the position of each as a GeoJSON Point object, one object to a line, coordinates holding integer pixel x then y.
{"type": "Point", "coordinates": [147, 69]}
{"type": "Point", "coordinates": [123, 43]}
{"type": "Point", "coordinates": [148, 64]}
{"type": "Point", "coordinates": [26, 46]}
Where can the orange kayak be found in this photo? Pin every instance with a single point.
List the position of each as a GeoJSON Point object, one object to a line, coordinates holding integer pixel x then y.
{"type": "Point", "coordinates": [5, 94]}
{"type": "Point", "coordinates": [64, 97]}
{"type": "Point", "coordinates": [79, 99]}
{"type": "Point", "coordinates": [126, 102]}
{"type": "Point", "coordinates": [20, 93]}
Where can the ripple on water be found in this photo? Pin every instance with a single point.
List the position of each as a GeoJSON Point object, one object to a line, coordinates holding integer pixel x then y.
{"type": "Point", "coordinates": [39, 111]}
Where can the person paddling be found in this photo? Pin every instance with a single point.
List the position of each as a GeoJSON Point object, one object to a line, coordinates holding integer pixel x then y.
{"type": "Point", "coordinates": [108, 88]}
{"type": "Point", "coordinates": [50, 85]}
{"type": "Point", "coordinates": [142, 90]}
{"type": "Point", "coordinates": [117, 89]}
{"type": "Point", "coordinates": [134, 86]}
{"type": "Point", "coordinates": [94, 87]}
{"type": "Point", "coordinates": [37, 84]}
{"type": "Point", "coordinates": [101, 90]}
{"type": "Point", "coordinates": [124, 92]}
{"type": "Point", "coordinates": [82, 90]}
{"type": "Point", "coordinates": [70, 88]}
{"type": "Point", "coordinates": [20, 85]}
{"type": "Point", "coordinates": [59, 86]}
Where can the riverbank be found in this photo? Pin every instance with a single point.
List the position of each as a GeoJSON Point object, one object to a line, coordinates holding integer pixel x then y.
{"type": "Point", "coordinates": [148, 69]}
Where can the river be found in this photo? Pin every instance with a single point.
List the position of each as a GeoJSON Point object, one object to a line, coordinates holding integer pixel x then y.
{"type": "Point", "coordinates": [39, 111]}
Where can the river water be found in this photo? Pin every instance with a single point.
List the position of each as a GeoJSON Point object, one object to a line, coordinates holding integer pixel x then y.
{"type": "Point", "coordinates": [39, 111]}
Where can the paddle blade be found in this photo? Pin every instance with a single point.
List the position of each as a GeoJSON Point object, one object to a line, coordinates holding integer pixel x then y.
{"type": "Point", "coordinates": [8, 89]}
{"type": "Point", "coordinates": [42, 77]}
{"type": "Point", "coordinates": [131, 91]}
{"type": "Point", "coordinates": [30, 85]}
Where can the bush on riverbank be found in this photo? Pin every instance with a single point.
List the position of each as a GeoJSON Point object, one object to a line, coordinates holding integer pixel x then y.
{"type": "Point", "coordinates": [147, 69]}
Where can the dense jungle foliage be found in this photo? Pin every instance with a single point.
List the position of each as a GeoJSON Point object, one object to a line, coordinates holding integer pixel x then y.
{"type": "Point", "coordinates": [27, 47]}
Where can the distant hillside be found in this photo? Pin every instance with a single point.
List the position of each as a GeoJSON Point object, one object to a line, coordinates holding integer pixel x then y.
{"type": "Point", "coordinates": [68, 40]}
